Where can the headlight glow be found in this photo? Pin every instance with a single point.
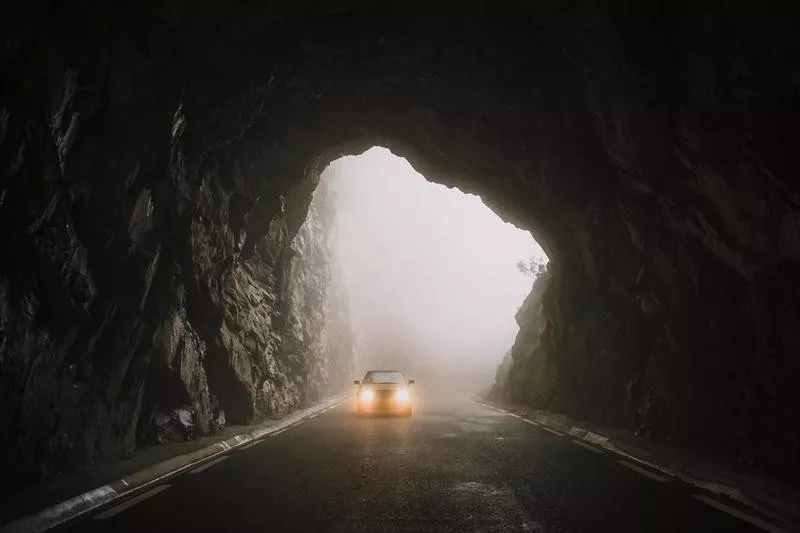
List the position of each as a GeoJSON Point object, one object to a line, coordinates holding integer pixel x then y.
{"type": "Point", "coordinates": [367, 396]}
{"type": "Point", "coordinates": [402, 396]}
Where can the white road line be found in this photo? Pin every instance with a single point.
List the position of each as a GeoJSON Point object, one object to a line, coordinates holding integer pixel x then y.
{"type": "Point", "coordinates": [130, 503]}
{"type": "Point", "coordinates": [587, 446]}
{"type": "Point", "coordinates": [250, 445]}
{"type": "Point", "coordinates": [643, 471]}
{"type": "Point", "coordinates": [276, 433]}
{"type": "Point", "coordinates": [208, 465]}
{"type": "Point", "coordinates": [531, 422]}
{"type": "Point", "coordinates": [766, 526]}
{"type": "Point", "coordinates": [553, 431]}
{"type": "Point", "coordinates": [312, 416]}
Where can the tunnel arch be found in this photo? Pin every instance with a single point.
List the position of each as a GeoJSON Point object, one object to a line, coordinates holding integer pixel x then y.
{"type": "Point", "coordinates": [175, 147]}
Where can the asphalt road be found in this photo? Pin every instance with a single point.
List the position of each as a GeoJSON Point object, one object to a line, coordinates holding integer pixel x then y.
{"type": "Point", "coordinates": [454, 466]}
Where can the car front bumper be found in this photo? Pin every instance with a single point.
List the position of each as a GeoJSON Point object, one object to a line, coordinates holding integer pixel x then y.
{"type": "Point", "coordinates": [387, 408]}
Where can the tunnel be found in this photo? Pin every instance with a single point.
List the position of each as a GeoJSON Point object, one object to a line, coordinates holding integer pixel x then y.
{"type": "Point", "coordinates": [158, 161]}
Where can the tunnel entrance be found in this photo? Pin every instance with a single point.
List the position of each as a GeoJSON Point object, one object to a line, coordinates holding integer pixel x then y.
{"type": "Point", "coordinates": [431, 275]}
{"type": "Point", "coordinates": [650, 155]}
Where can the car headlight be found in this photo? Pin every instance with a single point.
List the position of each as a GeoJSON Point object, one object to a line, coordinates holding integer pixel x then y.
{"type": "Point", "coordinates": [402, 396]}
{"type": "Point", "coordinates": [367, 396]}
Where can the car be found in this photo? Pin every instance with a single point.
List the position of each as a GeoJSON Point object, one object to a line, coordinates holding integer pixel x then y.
{"type": "Point", "coordinates": [384, 392]}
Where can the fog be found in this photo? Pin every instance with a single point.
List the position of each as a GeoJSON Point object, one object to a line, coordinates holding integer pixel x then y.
{"type": "Point", "coordinates": [431, 272]}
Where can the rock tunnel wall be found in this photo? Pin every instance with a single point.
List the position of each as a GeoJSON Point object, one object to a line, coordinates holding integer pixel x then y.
{"type": "Point", "coordinates": [127, 298]}
{"type": "Point", "coordinates": [526, 374]}
{"type": "Point", "coordinates": [156, 159]}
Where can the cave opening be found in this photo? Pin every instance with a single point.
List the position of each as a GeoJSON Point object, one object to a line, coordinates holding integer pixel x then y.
{"type": "Point", "coordinates": [431, 276]}
{"type": "Point", "coordinates": [155, 173]}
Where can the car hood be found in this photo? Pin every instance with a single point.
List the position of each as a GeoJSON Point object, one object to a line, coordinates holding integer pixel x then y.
{"type": "Point", "coordinates": [385, 386]}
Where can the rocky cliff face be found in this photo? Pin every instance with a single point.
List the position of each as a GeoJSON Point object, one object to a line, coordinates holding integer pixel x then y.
{"type": "Point", "coordinates": [126, 299]}
{"type": "Point", "coordinates": [157, 159]}
{"type": "Point", "coordinates": [527, 374]}
{"type": "Point", "coordinates": [316, 336]}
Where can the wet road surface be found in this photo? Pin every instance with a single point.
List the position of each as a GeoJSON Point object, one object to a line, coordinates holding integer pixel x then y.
{"type": "Point", "coordinates": [455, 466]}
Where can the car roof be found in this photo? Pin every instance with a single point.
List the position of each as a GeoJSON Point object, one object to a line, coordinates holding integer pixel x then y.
{"type": "Point", "coordinates": [370, 372]}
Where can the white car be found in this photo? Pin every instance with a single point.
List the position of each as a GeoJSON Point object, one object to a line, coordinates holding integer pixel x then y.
{"type": "Point", "coordinates": [385, 392]}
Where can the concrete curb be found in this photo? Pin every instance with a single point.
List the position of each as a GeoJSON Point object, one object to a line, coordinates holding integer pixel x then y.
{"type": "Point", "coordinates": [144, 479]}
{"type": "Point", "coordinates": [606, 443]}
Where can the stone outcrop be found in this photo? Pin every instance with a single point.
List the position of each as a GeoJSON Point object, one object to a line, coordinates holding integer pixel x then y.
{"type": "Point", "coordinates": [323, 336]}
{"type": "Point", "coordinates": [157, 159]}
{"type": "Point", "coordinates": [526, 374]}
{"type": "Point", "coordinates": [126, 317]}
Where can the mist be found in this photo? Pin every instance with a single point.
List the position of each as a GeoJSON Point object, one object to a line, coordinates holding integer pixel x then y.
{"type": "Point", "coordinates": [431, 272]}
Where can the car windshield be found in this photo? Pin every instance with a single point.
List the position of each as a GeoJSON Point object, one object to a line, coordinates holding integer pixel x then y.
{"type": "Point", "coordinates": [383, 376]}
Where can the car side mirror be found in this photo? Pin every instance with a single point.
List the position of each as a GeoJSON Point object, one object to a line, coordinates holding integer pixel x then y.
{"type": "Point", "coordinates": [411, 381]}
{"type": "Point", "coordinates": [356, 382]}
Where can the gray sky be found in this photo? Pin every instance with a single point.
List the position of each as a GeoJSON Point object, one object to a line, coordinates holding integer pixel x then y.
{"type": "Point", "coordinates": [431, 271]}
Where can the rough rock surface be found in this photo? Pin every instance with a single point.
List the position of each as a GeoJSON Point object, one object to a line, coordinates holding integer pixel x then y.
{"type": "Point", "coordinates": [157, 158]}
{"type": "Point", "coordinates": [526, 374]}
{"type": "Point", "coordinates": [317, 340]}
{"type": "Point", "coordinates": [110, 316]}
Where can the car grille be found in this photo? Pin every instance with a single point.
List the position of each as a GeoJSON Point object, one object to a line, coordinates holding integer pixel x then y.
{"type": "Point", "coordinates": [384, 395]}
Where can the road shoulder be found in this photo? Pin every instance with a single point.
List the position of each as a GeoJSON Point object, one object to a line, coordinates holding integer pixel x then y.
{"type": "Point", "coordinates": [768, 497]}
{"type": "Point", "coordinates": [62, 500]}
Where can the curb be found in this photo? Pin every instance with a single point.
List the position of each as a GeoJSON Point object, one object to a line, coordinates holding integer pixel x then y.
{"type": "Point", "coordinates": [136, 482]}
{"type": "Point", "coordinates": [602, 441]}
{"type": "Point", "coordinates": [606, 443]}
